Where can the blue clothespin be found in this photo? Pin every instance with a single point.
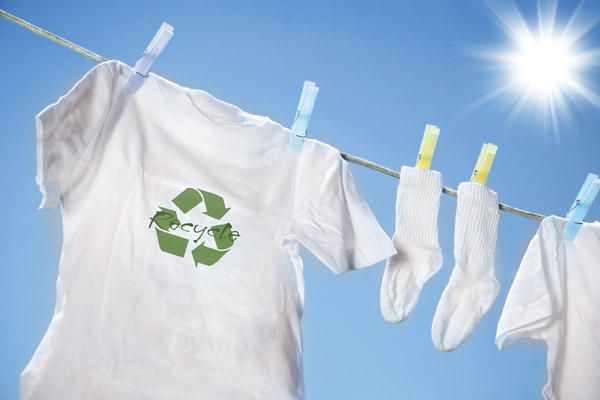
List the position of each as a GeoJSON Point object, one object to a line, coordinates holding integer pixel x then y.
{"type": "Point", "coordinates": [581, 205]}
{"type": "Point", "coordinates": [154, 49]}
{"type": "Point", "coordinates": [305, 109]}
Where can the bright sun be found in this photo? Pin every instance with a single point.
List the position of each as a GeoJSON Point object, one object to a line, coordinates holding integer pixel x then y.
{"type": "Point", "coordinates": [544, 66]}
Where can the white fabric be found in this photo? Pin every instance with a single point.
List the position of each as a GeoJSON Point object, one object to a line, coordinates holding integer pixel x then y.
{"type": "Point", "coordinates": [472, 287]}
{"type": "Point", "coordinates": [419, 255]}
{"type": "Point", "coordinates": [555, 297]}
{"type": "Point", "coordinates": [134, 321]}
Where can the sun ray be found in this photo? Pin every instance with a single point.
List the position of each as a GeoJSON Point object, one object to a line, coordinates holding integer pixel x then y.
{"type": "Point", "coordinates": [545, 66]}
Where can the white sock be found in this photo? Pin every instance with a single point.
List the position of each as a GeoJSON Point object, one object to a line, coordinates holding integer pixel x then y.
{"type": "Point", "coordinates": [472, 287]}
{"type": "Point", "coordinates": [416, 240]}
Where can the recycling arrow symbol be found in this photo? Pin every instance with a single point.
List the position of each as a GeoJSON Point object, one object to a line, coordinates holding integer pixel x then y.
{"type": "Point", "coordinates": [167, 220]}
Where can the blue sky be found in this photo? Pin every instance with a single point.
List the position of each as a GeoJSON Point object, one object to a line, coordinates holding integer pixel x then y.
{"type": "Point", "coordinates": [385, 69]}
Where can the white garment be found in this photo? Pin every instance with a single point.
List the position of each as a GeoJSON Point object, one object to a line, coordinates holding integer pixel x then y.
{"type": "Point", "coordinates": [555, 297]}
{"type": "Point", "coordinates": [419, 255]}
{"type": "Point", "coordinates": [472, 287]}
{"type": "Point", "coordinates": [212, 310]}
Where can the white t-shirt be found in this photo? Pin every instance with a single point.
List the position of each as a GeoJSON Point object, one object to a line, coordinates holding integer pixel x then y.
{"type": "Point", "coordinates": [182, 216]}
{"type": "Point", "coordinates": [555, 297]}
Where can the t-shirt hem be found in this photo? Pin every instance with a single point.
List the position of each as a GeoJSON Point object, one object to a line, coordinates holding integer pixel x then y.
{"type": "Point", "coordinates": [49, 190]}
{"type": "Point", "coordinates": [515, 330]}
{"type": "Point", "coordinates": [370, 257]}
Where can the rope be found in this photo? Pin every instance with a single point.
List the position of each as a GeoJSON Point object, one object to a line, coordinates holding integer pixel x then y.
{"type": "Point", "coordinates": [446, 190]}
{"type": "Point", "coordinates": [52, 36]}
{"type": "Point", "coordinates": [353, 159]}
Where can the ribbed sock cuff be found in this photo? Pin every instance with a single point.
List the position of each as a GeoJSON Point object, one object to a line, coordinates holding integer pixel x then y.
{"type": "Point", "coordinates": [417, 205]}
{"type": "Point", "coordinates": [476, 228]}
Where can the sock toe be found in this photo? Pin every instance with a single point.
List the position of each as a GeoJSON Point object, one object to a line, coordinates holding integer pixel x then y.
{"type": "Point", "coordinates": [459, 311]}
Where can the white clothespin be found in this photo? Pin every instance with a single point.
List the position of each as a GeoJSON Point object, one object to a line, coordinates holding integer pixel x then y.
{"type": "Point", "coordinates": [305, 109]}
{"type": "Point", "coordinates": [581, 205]}
{"type": "Point", "coordinates": [154, 49]}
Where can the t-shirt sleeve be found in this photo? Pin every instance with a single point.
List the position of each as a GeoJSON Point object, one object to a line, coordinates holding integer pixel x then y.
{"type": "Point", "coordinates": [331, 219]}
{"type": "Point", "coordinates": [533, 299]}
{"type": "Point", "coordinates": [67, 129]}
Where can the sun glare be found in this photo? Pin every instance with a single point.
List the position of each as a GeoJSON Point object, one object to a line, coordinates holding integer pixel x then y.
{"type": "Point", "coordinates": [545, 64]}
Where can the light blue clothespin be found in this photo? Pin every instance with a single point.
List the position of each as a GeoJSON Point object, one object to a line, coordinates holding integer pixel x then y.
{"type": "Point", "coordinates": [154, 49]}
{"type": "Point", "coordinates": [305, 109]}
{"type": "Point", "coordinates": [581, 205]}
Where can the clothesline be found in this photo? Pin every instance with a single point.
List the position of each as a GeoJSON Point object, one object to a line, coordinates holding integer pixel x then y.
{"type": "Point", "coordinates": [353, 159]}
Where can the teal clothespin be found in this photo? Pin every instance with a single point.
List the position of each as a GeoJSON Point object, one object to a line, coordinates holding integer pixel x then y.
{"type": "Point", "coordinates": [581, 205]}
{"type": "Point", "coordinates": [305, 109]}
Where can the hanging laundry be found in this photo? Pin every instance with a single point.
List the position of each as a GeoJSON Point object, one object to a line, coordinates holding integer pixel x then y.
{"type": "Point", "coordinates": [555, 297]}
{"type": "Point", "coordinates": [472, 287]}
{"type": "Point", "coordinates": [419, 255]}
{"type": "Point", "coordinates": [180, 275]}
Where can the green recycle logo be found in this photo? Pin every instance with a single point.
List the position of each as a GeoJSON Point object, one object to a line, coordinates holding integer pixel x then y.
{"type": "Point", "coordinates": [167, 219]}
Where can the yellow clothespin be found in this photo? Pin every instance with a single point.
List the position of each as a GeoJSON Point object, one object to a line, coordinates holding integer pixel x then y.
{"type": "Point", "coordinates": [484, 163]}
{"type": "Point", "coordinates": [430, 138]}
